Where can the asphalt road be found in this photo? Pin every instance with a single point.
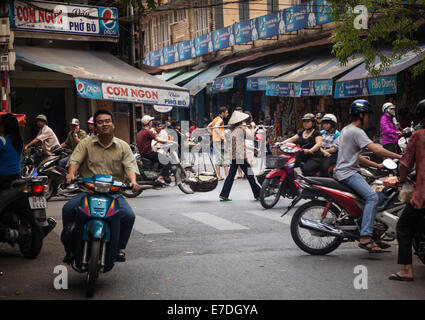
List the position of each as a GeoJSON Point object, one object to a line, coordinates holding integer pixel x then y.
{"type": "Point", "coordinates": [188, 247]}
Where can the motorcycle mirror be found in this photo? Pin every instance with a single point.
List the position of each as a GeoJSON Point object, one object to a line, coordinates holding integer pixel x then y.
{"type": "Point", "coordinates": [389, 164]}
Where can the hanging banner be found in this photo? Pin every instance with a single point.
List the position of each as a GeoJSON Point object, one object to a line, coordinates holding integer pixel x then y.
{"type": "Point", "coordinates": [203, 44]}
{"type": "Point", "coordinates": [155, 58]}
{"type": "Point", "coordinates": [366, 87]}
{"type": "Point", "coordinates": [246, 31]}
{"type": "Point", "coordinates": [283, 89]}
{"type": "Point", "coordinates": [316, 88]}
{"type": "Point", "coordinates": [221, 84]}
{"type": "Point", "coordinates": [58, 17]}
{"type": "Point", "coordinates": [323, 8]}
{"type": "Point", "coordinates": [257, 84]}
{"type": "Point", "coordinates": [223, 38]}
{"type": "Point", "coordinates": [170, 54]}
{"type": "Point", "coordinates": [268, 25]}
{"type": "Point", "coordinates": [186, 50]}
{"type": "Point", "coordinates": [300, 17]}
{"type": "Point", "coordinates": [91, 89]}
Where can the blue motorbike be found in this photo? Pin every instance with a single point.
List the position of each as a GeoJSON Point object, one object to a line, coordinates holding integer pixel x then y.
{"type": "Point", "coordinates": [93, 238]}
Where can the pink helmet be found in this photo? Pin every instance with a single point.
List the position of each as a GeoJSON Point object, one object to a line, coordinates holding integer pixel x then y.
{"type": "Point", "coordinates": [91, 120]}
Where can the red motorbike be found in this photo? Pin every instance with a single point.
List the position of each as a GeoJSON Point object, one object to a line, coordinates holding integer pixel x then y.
{"type": "Point", "coordinates": [280, 181]}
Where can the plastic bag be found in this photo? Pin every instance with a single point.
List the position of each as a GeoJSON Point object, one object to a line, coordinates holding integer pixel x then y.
{"type": "Point", "coordinates": [406, 192]}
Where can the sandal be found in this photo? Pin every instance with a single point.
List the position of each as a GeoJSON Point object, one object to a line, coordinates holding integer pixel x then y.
{"type": "Point", "coordinates": [225, 199]}
{"type": "Point", "coordinates": [396, 276]}
{"type": "Point", "coordinates": [366, 247]}
{"type": "Point", "coordinates": [382, 244]}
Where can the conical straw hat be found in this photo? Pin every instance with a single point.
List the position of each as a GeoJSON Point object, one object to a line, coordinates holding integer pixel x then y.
{"type": "Point", "coordinates": [237, 117]}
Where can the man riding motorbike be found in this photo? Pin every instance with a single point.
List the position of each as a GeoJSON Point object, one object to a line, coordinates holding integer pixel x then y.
{"type": "Point", "coordinates": [103, 154]}
{"type": "Point", "coordinates": [389, 130]}
{"type": "Point", "coordinates": [351, 142]}
{"type": "Point", "coordinates": [75, 135]}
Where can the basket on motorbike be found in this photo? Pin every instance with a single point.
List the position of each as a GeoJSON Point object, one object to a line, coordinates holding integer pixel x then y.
{"type": "Point", "coordinates": [204, 181]}
{"type": "Point", "coordinates": [276, 162]}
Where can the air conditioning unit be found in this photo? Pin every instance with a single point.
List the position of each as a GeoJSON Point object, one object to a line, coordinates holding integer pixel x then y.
{"type": "Point", "coordinates": [4, 27]}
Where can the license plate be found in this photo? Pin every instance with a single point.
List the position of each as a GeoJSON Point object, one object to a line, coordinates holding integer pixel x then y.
{"type": "Point", "coordinates": [37, 202]}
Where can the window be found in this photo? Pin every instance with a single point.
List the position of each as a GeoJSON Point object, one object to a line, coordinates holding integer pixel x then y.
{"type": "Point", "coordinates": [177, 16]}
{"type": "Point", "coordinates": [201, 18]}
{"type": "Point", "coordinates": [155, 29]}
{"type": "Point", "coordinates": [161, 37]}
{"type": "Point", "coordinates": [147, 32]}
{"type": "Point", "coordinates": [272, 6]}
{"type": "Point", "coordinates": [244, 10]}
{"type": "Point", "coordinates": [218, 14]}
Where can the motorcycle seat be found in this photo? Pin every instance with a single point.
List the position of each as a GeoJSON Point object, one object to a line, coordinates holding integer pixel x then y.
{"type": "Point", "coordinates": [146, 161]}
{"type": "Point", "coordinates": [330, 183]}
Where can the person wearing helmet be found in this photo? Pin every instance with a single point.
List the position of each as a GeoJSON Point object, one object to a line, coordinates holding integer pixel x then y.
{"type": "Point", "coordinates": [319, 119]}
{"type": "Point", "coordinates": [90, 124]}
{"type": "Point", "coordinates": [412, 219]}
{"type": "Point", "coordinates": [329, 147]}
{"type": "Point", "coordinates": [390, 133]}
{"type": "Point", "coordinates": [352, 141]}
{"type": "Point", "coordinates": [310, 140]}
{"type": "Point", "coordinates": [45, 135]}
{"type": "Point", "coordinates": [75, 135]}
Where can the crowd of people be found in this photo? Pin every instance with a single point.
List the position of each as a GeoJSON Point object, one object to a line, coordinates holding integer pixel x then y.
{"type": "Point", "coordinates": [325, 152]}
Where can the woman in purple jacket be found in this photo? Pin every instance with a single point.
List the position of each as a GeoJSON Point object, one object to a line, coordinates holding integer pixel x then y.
{"type": "Point", "coordinates": [390, 133]}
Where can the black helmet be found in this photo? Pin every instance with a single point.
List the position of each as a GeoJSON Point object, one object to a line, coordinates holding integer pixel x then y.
{"type": "Point", "coordinates": [319, 115]}
{"type": "Point", "coordinates": [420, 110]}
{"type": "Point", "coordinates": [360, 106]}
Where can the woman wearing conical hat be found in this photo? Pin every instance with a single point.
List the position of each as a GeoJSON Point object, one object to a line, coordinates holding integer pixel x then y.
{"type": "Point", "coordinates": [238, 156]}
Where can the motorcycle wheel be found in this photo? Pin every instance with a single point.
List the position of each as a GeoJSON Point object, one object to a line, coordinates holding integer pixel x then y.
{"type": "Point", "coordinates": [94, 266]}
{"type": "Point", "coordinates": [319, 244]}
{"type": "Point", "coordinates": [183, 176]}
{"type": "Point", "coordinates": [270, 192]}
{"type": "Point", "coordinates": [30, 247]}
{"type": "Point", "coordinates": [415, 247]}
{"type": "Point", "coordinates": [50, 189]}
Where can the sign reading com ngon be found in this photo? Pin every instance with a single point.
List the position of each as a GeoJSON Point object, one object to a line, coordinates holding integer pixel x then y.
{"type": "Point", "coordinates": [62, 18]}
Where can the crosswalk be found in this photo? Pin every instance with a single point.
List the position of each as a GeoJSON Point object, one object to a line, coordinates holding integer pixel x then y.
{"type": "Point", "coordinates": [147, 226]}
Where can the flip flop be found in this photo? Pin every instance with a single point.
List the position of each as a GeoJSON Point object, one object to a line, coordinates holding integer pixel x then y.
{"type": "Point", "coordinates": [225, 199]}
{"type": "Point", "coordinates": [370, 249]}
{"type": "Point", "coordinates": [382, 245]}
{"type": "Point", "coordinates": [396, 276]}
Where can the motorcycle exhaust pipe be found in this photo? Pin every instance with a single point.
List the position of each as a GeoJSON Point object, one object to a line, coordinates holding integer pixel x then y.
{"type": "Point", "coordinates": [325, 228]}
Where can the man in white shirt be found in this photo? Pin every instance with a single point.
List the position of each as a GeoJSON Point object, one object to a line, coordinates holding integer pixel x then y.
{"type": "Point", "coordinates": [45, 135]}
{"type": "Point", "coordinates": [161, 134]}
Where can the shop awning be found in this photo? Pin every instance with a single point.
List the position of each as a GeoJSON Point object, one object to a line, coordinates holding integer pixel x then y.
{"type": "Point", "coordinates": [226, 81]}
{"type": "Point", "coordinates": [200, 82]}
{"type": "Point", "coordinates": [167, 75]}
{"type": "Point", "coordinates": [290, 84]}
{"type": "Point", "coordinates": [359, 83]}
{"type": "Point", "coordinates": [185, 76]}
{"type": "Point", "coordinates": [320, 83]}
{"type": "Point", "coordinates": [258, 81]}
{"type": "Point", "coordinates": [99, 75]}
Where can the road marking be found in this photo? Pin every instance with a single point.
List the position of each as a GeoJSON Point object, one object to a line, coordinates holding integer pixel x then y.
{"type": "Point", "coordinates": [145, 226]}
{"type": "Point", "coordinates": [275, 216]}
{"type": "Point", "coordinates": [213, 221]}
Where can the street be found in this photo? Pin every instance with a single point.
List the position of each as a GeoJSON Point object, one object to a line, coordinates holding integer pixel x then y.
{"type": "Point", "coordinates": [186, 247]}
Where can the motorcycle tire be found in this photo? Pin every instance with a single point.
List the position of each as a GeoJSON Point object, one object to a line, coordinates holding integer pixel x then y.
{"type": "Point", "coordinates": [94, 266]}
{"type": "Point", "coordinates": [269, 183]}
{"type": "Point", "coordinates": [295, 229]}
{"type": "Point", "coordinates": [31, 247]}
{"type": "Point", "coordinates": [184, 186]}
{"type": "Point", "coordinates": [415, 248]}
{"type": "Point", "coordinates": [51, 185]}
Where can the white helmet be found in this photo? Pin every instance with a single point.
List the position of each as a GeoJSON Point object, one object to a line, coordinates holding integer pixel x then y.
{"type": "Point", "coordinates": [387, 106]}
{"type": "Point", "coordinates": [330, 117]}
{"type": "Point", "coordinates": [146, 119]}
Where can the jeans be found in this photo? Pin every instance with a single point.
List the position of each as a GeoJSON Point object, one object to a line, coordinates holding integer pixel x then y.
{"type": "Point", "coordinates": [64, 161]}
{"type": "Point", "coordinates": [228, 183]}
{"type": "Point", "coordinates": [358, 184]}
{"type": "Point", "coordinates": [412, 221]}
{"type": "Point", "coordinates": [164, 162]}
{"type": "Point", "coordinates": [127, 216]}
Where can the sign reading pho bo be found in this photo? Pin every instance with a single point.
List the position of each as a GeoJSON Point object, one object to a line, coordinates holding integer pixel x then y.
{"type": "Point", "coordinates": [130, 93]}
{"type": "Point", "coordinates": [62, 18]}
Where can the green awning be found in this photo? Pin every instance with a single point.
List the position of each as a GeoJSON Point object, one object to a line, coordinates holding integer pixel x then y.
{"type": "Point", "coordinates": [185, 76]}
{"type": "Point", "coordinates": [167, 75]}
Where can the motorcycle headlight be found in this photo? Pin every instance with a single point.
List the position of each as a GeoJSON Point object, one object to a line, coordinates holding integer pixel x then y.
{"type": "Point", "coordinates": [102, 187]}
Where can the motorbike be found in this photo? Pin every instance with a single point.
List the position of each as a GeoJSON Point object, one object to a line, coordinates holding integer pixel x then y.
{"type": "Point", "coordinates": [280, 180]}
{"type": "Point", "coordinates": [56, 185]}
{"type": "Point", "coordinates": [406, 133]}
{"type": "Point", "coordinates": [149, 172]}
{"type": "Point", "coordinates": [92, 240]}
{"type": "Point", "coordinates": [31, 158]}
{"type": "Point", "coordinates": [23, 218]}
{"type": "Point", "coordinates": [333, 215]}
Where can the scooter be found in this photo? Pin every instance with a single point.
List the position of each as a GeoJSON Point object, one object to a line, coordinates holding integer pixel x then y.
{"type": "Point", "coordinates": [92, 240]}
{"type": "Point", "coordinates": [23, 218]}
{"type": "Point", "coordinates": [280, 180]}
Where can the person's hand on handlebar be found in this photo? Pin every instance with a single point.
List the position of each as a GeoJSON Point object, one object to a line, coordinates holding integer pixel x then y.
{"type": "Point", "coordinates": [135, 186]}
{"type": "Point", "coordinates": [69, 178]}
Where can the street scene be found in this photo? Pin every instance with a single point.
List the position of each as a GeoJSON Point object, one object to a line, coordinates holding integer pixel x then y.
{"type": "Point", "coordinates": [212, 150]}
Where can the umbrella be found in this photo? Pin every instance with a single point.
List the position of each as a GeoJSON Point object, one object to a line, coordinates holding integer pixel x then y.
{"type": "Point", "coordinates": [21, 118]}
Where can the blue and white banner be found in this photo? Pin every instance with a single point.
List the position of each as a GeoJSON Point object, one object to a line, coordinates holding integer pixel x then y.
{"type": "Point", "coordinates": [170, 54]}
{"type": "Point", "coordinates": [89, 89]}
{"type": "Point", "coordinates": [300, 17]}
{"type": "Point", "coordinates": [58, 17]}
{"type": "Point", "coordinates": [283, 89]}
{"type": "Point", "coordinates": [268, 25]}
{"type": "Point", "coordinates": [187, 49]}
{"type": "Point", "coordinates": [316, 88]}
{"type": "Point", "coordinates": [221, 84]}
{"type": "Point", "coordinates": [257, 84]}
{"type": "Point", "coordinates": [323, 8]}
{"type": "Point", "coordinates": [366, 87]}
{"type": "Point", "coordinates": [203, 44]}
{"type": "Point", "coordinates": [223, 38]}
{"type": "Point", "coordinates": [246, 31]}
{"type": "Point", "coordinates": [155, 58]}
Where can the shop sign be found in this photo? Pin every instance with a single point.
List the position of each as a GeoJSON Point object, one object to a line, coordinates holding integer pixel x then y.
{"type": "Point", "coordinates": [58, 17]}
{"type": "Point", "coordinates": [187, 50]}
{"type": "Point", "coordinates": [260, 84]}
{"type": "Point", "coordinates": [203, 44]}
{"type": "Point", "coordinates": [246, 31]}
{"type": "Point", "coordinates": [316, 88]}
{"type": "Point", "coordinates": [221, 84]}
{"type": "Point", "coordinates": [366, 87]}
{"type": "Point", "coordinates": [223, 38]}
{"type": "Point", "coordinates": [162, 109]}
{"type": "Point", "coordinates": [283, 89]}
{"type": "Point", "coordinates": [131, 93]}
